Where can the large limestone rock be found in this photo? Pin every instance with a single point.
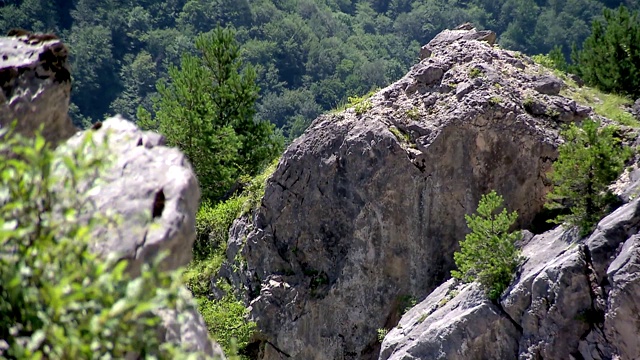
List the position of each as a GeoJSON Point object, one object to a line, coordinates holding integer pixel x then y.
{"type": "Point", "coordinates": [154, 194]}
{"type": "Point", "coordinates": [153, 191]}
{"type": "Point", "coordinates": [572, 299]}
{"type": "Point", "coordinates": [366, 208]}
{"type": "Point", "coordinates": [453, 322]}
{"type": "Point", "coordinates": [34, 76]}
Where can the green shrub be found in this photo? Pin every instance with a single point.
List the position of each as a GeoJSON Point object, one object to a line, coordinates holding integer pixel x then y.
{"type": "Point", "coordinates": [589, 160]}
{"type": "Point", "coordinates": [226, 317]}
{"type": "Point", "coordinates": [475, 72]}
{"type": "Point", "coordinates": [212, 225]}
{"type": "Point", "coordinates": [488, 254]}
{"type": "Point", "coordinates": [57, 299]}
{"type": "Point", "coordinates": [226, 321]}
{"type": "Point", "coordinates": [413, 113]}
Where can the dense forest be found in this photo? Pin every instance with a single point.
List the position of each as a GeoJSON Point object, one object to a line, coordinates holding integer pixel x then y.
{"type": "Point", "coordinates": [310, 55]}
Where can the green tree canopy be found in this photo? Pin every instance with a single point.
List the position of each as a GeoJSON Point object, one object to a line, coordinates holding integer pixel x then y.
{"type": "Point", "coordinates": [207, 110]}
{"type": "Point", "coordinates": [610, 58]}
{"type": "Point", "coordinates": [588, 161]}
{"type": "Point", "coordinates": [488, 253]}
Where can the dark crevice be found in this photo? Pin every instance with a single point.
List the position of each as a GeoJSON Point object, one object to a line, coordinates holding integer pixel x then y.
{"type": "Point", "coordinates": [276, 349]}
{"type": "Point", "coordinates": [595, 316]}
{"type": "Point", "coordinates": [506, 315]}
{"type": "Point", "coordinates": [158, 204]}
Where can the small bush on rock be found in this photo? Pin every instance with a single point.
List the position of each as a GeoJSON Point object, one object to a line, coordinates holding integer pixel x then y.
{"type": "Point", "coordinates": [488, 254]}
{"type": "Point", "coordinates": [58, 300]}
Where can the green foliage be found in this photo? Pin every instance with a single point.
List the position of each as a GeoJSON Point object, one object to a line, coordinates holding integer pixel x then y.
{"type": "Point", "coordinates": [213, 223]}
{"type": "Point", "coordinates": [308, 55]}
{"type": "Point", "coordinates": [488, 253]}
{"type": "Point", "coordinates": [207, 111]}
{"type": "Point", "coordinates": [589, 160]}
{"type": "Point", "coordinates": [413, 113]}
{"type": "Point", "coordinates": [475, 72]}
{"type": "Point", "coordinates": [57, 299]}
{"type": "Point", "coordinates": [226, 317]}
{"type": "Point", "coordinates": [401, 136]}
{"type": "Point", "coordinates": [226, 322]}
{"type": "Point", "coordinates": [610, 59]}
{"type": "Point", "coordinates": [553, 60]}
{"type": "Point", "coordinates": [611, 106]}
{"type": "Point", "coordinates": [382, 333]}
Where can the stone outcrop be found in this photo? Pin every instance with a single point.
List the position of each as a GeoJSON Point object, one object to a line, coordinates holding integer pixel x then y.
{"type": "Point", "coordinates": [150, 187]}
{"type": "Point", "coordinates": [465, 31]}
{"type": "Point", "coordinates": [367, 207]}
{"type": "Point", "coordinates": [573, 299]}
{"type": "Point", "coordinates": [34, 76]}
{"type": "Point", "coordinates": [153, 191]}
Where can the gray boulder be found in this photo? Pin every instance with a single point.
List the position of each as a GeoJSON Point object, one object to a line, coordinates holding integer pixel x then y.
{"type": "Point", "coordinates": [573, 298]}
{"type": "Point", "coordinates": [153, 191]}
{"type": "Point", "coordinates": [548, 85]}
{"type": "Point", "coordinates": [462, 32]}
{"type": "Point", "coordinates": [34, 76]}
{"type": "Point", "coordinates": [453, 322]}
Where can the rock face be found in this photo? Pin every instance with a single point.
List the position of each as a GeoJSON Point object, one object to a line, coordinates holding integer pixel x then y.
{"type": "Point", "coordinates": [153, 189]}
{"type": "Point", "coordinates": [34, 75]}
{"type": "Point", "coordinates": [366, 208]}
{"type": "Point", "coordinates": [573, 299]}
{"type": "Point", "coordinates": [155, 195]}
{"type": "Point", "coordinates": [463, 32]}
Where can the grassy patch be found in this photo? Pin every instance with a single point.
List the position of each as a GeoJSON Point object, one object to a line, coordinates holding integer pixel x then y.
{"type": "Point", "coordinates": [413, 113]}
{"type": "Point", "coordinates": [226, 322]}
{"type": "Point", "coordinates": [360, 104]}
{"type": "Point", "coordinates": [225, 318]}
{"type": "Point", "coordinates": [608, 105]}
{"type": "Point", "coordinates": [401, 136]}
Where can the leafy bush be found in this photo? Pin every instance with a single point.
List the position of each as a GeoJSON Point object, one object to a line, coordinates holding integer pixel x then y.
{"type": "Point", "coordinates": [212, 225]}
{"type": "Point", "coordinates": [226, 321]}
{"type": "Point", "coordinates": [553, 60]}
{"type": "Point", "coordinates": [589, 160]}
{"type": "Point", "coordinates": [57, 299]}
{"type": "Point", "coordinates": [225, 317]}
{"type": "Point", "coordinates": [488, 254]}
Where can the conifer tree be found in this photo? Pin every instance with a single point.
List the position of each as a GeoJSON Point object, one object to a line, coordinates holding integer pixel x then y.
{"type": "Point", "coordinates": [589, 160]}
{"type": "Point", "coordinates": [207, 110]}
{"type": "Point", "coordinates": [610, 59]}
{"type": "Point", "coordinates": [488, 254]}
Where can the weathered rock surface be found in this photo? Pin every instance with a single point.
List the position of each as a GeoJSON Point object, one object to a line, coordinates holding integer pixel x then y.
{"type": "Point", "coordinates": [34, 76]}
{"type": "Point", "coordinates": [453, 323]}
{"type": "Point", "coordinates": [573, 299]}
{"type": "Point", "coordinates": [153, 190]}
{"type": "Point", "coordinates": [463, 32]}
{"type": "Point", "coordinates": [366, 209]}
{"type": "Point", "coordinates": [154, 194]}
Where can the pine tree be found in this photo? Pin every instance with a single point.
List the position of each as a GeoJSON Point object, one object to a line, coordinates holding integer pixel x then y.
{"type": "Point", "coordinates": [589, 160]}
{"type": "Point", "coordinates": [488, 254]}
{"type": "Point", "coordinates": [207, 110]}
{"type": "Point", "coordinates": [610, 59]}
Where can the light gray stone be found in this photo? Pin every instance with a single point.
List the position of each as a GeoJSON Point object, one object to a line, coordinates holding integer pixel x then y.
{"type": "Point", "coordinates": [36, 83]}
{"type": "Point", "coordinates": [456, 323]}
{"type": "Point", "coordinates": [144, 177]}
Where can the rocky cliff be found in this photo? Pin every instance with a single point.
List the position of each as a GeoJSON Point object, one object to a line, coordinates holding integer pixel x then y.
{"type": "Point", "coordinates": [151, 187]}
{"type": "Point", "coordinates": [365, 210]}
